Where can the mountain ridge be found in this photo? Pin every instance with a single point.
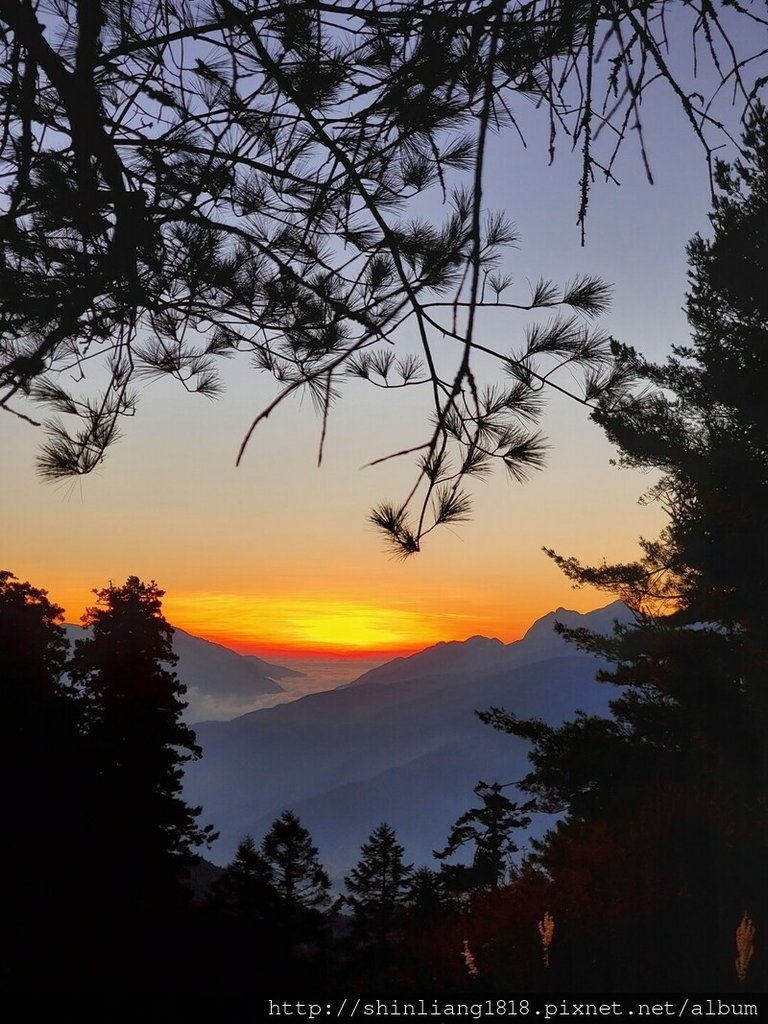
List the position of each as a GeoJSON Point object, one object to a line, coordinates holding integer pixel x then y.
{"type": "Point", "coordinates": [216, 677]}
{"type": "Point", "coordinates": [401, 743]}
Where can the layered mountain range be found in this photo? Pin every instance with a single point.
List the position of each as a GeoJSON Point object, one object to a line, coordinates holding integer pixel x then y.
{"type": "Point", "coordinates": [400, 744]}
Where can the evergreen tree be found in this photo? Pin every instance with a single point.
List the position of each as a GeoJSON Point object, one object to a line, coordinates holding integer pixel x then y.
{"type": "Point", "coordinates": [489, 829]}
{"type": "Point", "coordinates": [33, 649]}
{"type": "Point", "coordinates": [679, 772]}
{"type": "Point", "coordinates": [426, 894]}
{"type": "Point", "coordinates": [299, 878]}
{"type": "Point", "coordinates": [138, 744]}
{"type": "Point", "coordinates": [41, 762]}
{"type": "Point", "coordinates": [246, 889]}
{"type": "Point", "coordinates": [379, 882]}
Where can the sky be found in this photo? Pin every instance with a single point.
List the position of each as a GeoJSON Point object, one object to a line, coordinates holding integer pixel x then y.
{"type": "Point", "coordinates": [276, 556]}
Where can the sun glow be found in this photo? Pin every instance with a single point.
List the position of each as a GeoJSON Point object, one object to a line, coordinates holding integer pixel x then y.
{"type": "Point", "coordinates": [305, 624]}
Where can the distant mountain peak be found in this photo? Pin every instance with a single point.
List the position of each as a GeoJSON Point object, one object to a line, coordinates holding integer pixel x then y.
{"type": "Point", "coordinates": [475, 641]}
{"type": "Point", "coordinates": [444, 656]}
{"type": "Point", "coordinates": [600, 620]}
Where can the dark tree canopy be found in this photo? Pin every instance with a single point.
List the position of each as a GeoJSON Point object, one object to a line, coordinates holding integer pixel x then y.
{"type": "Point", "coordinates": [426, 894]}
{"type": "Point", "coordinates": [245, 890]}
{"type": "Point", "coordinates": [679, 772]}
{"type": "Point", "coordinates": [297, 874]}
{"type": "Point", "coordinates": [39, 727]}
{"type": "Point", "coordinates": [91, 749]}
{"type": "Point", "coordinates": [379, 883]}
{"type": "Point", "coordinates": [138, 742]}
{"type": "Point", "coordinates": [489, 829]}
{"type": "Point", "coordinates": [33, 649]}
{"type": "Point", "coordinates": [43, 791]}
{"type": "Point", "coordinates": [187, 182]}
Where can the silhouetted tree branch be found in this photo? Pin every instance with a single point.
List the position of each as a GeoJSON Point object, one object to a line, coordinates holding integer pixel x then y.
{"type": "Point", "coordinates": [186, 182]}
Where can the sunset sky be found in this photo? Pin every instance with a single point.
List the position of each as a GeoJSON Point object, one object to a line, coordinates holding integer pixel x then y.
{"type": "Point", "coordinates": [277, 555]}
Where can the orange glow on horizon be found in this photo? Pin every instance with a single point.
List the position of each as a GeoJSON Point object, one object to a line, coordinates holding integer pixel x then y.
{"type": "Point", "coordinates": [275, 625]}
{"type": "Point", "coordinates": [307, 625]}
{"type": "Point", "coordinates": [276, 652]}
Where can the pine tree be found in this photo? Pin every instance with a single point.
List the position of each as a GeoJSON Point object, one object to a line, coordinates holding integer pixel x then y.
{"type": "Point", "coordinates": [246, 889]}
{"type": "Point", "coordinates": [426, 894]}
{"type": "Point", "coordinates": [379, 882]}
{"type": "Point", "coordinates": [33, 654]}
{"type": "Point", "coordinates": [138, 743]}
{"type": "Point", "coordinates": [297, 874]}
{"type": "Point", "coordinates": [41, 763]}
{"type": "Point", "coordinates": [695, 663]}
{"type": "Point", "coordinates": [489, 829]}
{"type": "Point", "coordinates": [679, 772]}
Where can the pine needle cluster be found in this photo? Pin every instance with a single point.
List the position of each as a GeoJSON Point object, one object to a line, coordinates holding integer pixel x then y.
{"type": "Point", "coordinates": [181, 184]}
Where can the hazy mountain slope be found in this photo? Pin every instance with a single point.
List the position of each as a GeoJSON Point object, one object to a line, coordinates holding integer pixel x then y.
{"type": "Point", "coordinates": [276, 671]}
{"type": "Point", "coordinates": [477, 654]}
{"type": "Point", "coordinates": [219, 681]}
{"type": "Point", "coordinates": [480, 654]}
{"type": "Point", "coordinates": [402, 743]}
{"type": "Point", "coordinates": [413, 764]}
{"type": "Point", "coordinates": [201, 663]}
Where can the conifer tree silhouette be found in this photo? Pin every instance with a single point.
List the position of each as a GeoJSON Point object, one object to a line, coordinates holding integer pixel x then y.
{"type": "Point", "coordinates": [45, 787]}
{"type": "Point", "coordinates": [489, 829]}
{"type": "Point", "coordinates": [298, 876]}
{"type": "Point", "coordinates": [138, 744]}
{"type": "Point", "coordinates": [246, 889]}
{"type": "Point", "coordinates": [679, 773]}
{"type": "Point", "coordinates": [378, 884]}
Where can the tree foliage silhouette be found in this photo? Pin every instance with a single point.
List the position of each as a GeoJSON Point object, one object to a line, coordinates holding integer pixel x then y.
{"type": "Point", "coordinates": [246, 890]}
{"type": "Point", "coordinates": [41, 758]}
{"type": "Point", "coordinates": [138, 742]}
{"type": "Point", "coordinates": [379, 883]}
{"type": "Point", "coordinates": [33, 652]}
{"type": "Point", "coordinates": [299, 878]}
{"type": "Point", "coordinates": [426, 895]}
{"type": "Point", "coordinates": [686, 741]}
{"type": "Point", "coordinates": [183, 183]}
{"type": "Point", "coordinates": [489, 829]}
